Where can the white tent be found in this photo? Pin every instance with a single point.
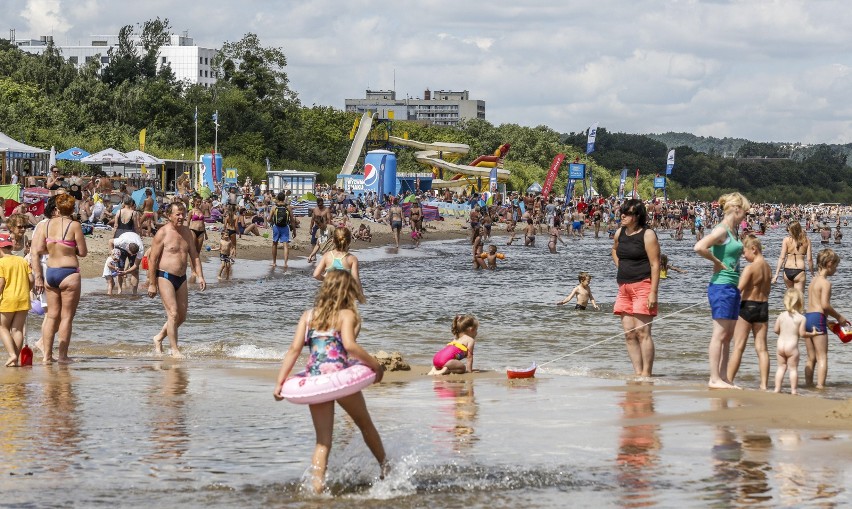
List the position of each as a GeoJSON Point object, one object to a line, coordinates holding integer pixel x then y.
{"type": "Point", "coordinates": [107, 155]}
{"type": "Point", "coordinates": [139, 157]}
{"type": "Point", "coordinates": [7, 144]}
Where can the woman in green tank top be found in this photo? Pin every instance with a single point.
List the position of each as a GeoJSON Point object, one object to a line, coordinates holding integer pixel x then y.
{"type": "Point", "coordinates": [723, 247]}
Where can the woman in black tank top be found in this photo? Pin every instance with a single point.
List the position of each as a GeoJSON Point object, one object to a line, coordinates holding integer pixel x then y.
{"type": "Point", "coordinates": [126, 218]}
{"type": "Point", "coordinates": [636, 253]}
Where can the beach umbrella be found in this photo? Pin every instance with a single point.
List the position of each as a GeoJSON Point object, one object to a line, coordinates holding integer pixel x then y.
{"type": "Point", "coordinates": [204, 192]}
{"type": "Point", "coordinates": [411, 198]}
{"type": "Point", "coordinates": [72, 154]}
{"type": "Point", "coordinates": [139, 157]}
{"type": "Point", "coordinates": [309, 197]}
{"type": "Point", "coordinates": [52, 161]}
{"type": "Point", "coordinates": [139, 196]}
{"type": "Point", "coordinates": [107, 155]}
{"type": "Point", "coordinates": [534, 188]}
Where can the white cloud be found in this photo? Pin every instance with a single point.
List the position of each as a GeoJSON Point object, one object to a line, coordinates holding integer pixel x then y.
{"type": "Point", "coordinates": [765, 70]}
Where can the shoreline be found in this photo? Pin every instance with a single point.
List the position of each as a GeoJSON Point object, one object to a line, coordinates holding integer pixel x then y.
{"type": "Point", "coordinates": [258, 248]}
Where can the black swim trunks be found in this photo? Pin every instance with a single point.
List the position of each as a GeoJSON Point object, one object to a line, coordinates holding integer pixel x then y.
{"type": "Point", "coordinates": [754, 312]}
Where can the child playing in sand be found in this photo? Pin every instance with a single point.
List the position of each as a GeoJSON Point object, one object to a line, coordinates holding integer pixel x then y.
{"type": "Point", "coordinates": [790, 326]}
{"type": "Point", "coordinates": [16, 281]}
{"type": "Point", "coordinates": [111, 270]}
{"type": "Point", "coordinates": [363, 233]}
{"type": "Point", "coordinates": [492, 256]}
{"type": "Point", "coordinates": [819, 305]}
{"type": "Point", "coordinates": [329, 330]}
{"type": "Point", "coordinates": [665, 267]}
{"type": "Point", "coordinates": [449, 359]}
{"type": "Point", "coordinates": [583, 292]}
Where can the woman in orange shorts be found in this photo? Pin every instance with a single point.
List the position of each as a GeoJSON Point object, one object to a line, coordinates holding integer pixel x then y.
{"type": "Point", "coordinates": [636, 253]}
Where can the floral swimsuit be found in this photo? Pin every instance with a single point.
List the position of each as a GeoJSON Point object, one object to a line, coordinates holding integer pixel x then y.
{"type": "Point", "coordinates": [327, 352]}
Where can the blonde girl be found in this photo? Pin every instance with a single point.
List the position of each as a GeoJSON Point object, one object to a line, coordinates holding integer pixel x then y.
{"type": "Point", "coordinates": [724, 248]}
{"type": "Point", "coordinates": [339, 258]}
{"type": "Point", "coordinates": [790, 326]}
{"type": "Point", "coordinates": [329, 331]}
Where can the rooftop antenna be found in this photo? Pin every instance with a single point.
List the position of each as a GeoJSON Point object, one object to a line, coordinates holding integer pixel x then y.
{"type": "Point", "coordinates": [394, 79]}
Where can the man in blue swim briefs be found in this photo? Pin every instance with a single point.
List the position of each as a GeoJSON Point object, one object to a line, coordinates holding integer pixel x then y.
{"type": "Point", "coordinates": [167, 266]}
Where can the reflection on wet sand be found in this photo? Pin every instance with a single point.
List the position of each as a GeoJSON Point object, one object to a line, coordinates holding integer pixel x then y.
{"type": "Point", "coordinates": [60, 421]}
{"type": "Point", "coordinates": [638, 451]}
{"type": "Point", "coordinates": [13, 426]}
{"type": "Point", "coordinates": [457, 414]}
{"type": "Point", "coordinates": [167, 400]}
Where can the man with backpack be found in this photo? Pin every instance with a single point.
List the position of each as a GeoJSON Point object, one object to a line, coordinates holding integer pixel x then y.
{"type": "Point", "coordinates": [280, 217]}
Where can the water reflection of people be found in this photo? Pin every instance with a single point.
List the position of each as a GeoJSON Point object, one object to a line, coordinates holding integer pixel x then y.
{"type": "Point", "coordinates": [61, 420]}
{"type": "Point", "coordinates": [462, 409]}
{"type": "Point", "coordinates": [167, 401]}
{"type": "Point", "coordinates": [639, 444]}
{"type": "Point", "coordinates": [13, 424]}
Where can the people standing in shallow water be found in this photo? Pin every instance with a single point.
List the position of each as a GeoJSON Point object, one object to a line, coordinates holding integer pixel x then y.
{"type": "Point", "coordinates": [790, 326]}
{"type": "Point", "coordinates": [636, 253]}
{"type": "Point", "coordinates": [795, 251]}
{"type": "Point", "coordinates": [819, 305]}
{"type": "Point", "coordinates": [754, 286]}
{"type": "Point", "coordinates": [173, 248]}
{"type": "Point", "coordinates": [62, 240]}
{"type": "Point", "coordinates": [723, 247]}
{"type": "Point", "coordinates": [340, 258]}
{"type": "Point", "coordinates": [330, 331]}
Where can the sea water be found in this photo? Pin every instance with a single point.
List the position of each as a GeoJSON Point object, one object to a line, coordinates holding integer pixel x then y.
{"type": "Point", "coordinates": [123, 428]}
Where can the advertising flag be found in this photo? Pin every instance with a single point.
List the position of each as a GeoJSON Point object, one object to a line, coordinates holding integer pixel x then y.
{"type": "Point", "coordinates": [569, 190]}
{"type": "Point", "coordinates": [621, 184]}
{"type": "Point", "coordinates": [551, 175]}
{"type": "Point", "coordinates": [195, 117]}
{"type": "Point", "coordinates": [670, 162]}
{"type": "Point", "coordinates": [590, 143]}
{"type": "Point", "coordinates": [216, 117]}
{"type": "Point", "coordinates": [492, 180]}
{"type": "Point", "coordinates": [213, 168]}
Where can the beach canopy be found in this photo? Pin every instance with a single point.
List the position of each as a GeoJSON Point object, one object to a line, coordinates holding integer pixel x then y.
{"type": "Point", "coordinates": [410, 198]}
{"type": "Point", "coordinates": [534, 188]}
{"type": "Point", "coordinates": [72, 154]}
{"type": "Point", "coordinates": [7, 144]}
{"type": "Point", "coordinates": [139, 196]}
{"type": "Point", "coordinates": [204, 192]}
{"type": "Point", "coordinates": [107, 155]}
{"type": "Point", "coordinates": [139, 157]}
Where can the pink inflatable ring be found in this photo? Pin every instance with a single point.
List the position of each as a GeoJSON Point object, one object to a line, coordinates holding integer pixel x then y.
{"type": "Point", "coordinates": [310, 390]}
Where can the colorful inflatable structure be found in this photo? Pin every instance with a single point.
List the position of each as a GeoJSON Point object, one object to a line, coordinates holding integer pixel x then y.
{"type": "Point", "coordinates": [437, 156]}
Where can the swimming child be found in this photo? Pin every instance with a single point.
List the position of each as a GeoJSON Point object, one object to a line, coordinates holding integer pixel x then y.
{"type": "Point", "coordinates": [111, 270]}
{"type": "Point", "coordinates": [583, 292]}
{"type": "Point", "coordinates": [755, 283]}
{"type": "Point", "coordinates": [819, 305]}
{"type": "Point", "coordinates": [449, 359]}
{"type": "Point", "coordinates": [838, 235]}
{"type": "Point", "coordinates": [665, 267]}
{"type": "Point", "coordinates": [16, 281]}
{"type": "Point", "coordinates": [790, 326]}
{"type": "Point", "coordinates": [329, 330]}
{"type": "Point", "coordinates": [339, 258]}
{"type": "Point", "coordinates": [492, 256]}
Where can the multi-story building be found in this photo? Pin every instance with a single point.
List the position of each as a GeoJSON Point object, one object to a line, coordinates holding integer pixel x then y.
{"type": "Point", "coordinates": [189, 63]}
{"type": "Point", "coordinates": [440, 107]}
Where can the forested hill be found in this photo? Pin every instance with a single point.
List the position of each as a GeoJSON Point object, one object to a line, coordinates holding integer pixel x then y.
{"type": "Point", "coordinates": [707, 144]}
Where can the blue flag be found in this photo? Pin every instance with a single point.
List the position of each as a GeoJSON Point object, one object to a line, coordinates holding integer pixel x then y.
{"type": "Point", "coordinates": [216, 117]}
{"type": "Point", "coordinates": [195, 117]}
{"type": "Point", "coordinates": [623, 181]}
{"type": "Point", "coordinates": [492, 180]}
{"type": "Point", "coordinates": [670, 162]}
{"type": "Point", "coordinates": [590, 143]}
{"type": "Point", "coordinates": [569, 190]}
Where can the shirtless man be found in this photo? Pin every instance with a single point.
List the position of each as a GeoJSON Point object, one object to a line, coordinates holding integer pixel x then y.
{"type": "Point", "coordinates": [754, 286]}
{"type": "Point", "coordinates": [148, 217]}
{"type": "Point", "coordinates": [320, 219]}
{"type": "Point", "coordinates": [395, 215]}
{"type": "Point", "coordinates": [416, 217]}
{"type": "Point", "coordinates": [167, 266]}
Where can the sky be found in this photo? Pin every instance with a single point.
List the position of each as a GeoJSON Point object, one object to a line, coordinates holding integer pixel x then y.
{"type": "Point", "coordinates": [765, 70]}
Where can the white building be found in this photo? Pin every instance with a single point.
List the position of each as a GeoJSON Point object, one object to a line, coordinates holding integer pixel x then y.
{"type": "Point", "coordinates": [189, 63]}
{"type": "Point", "coordinates": [440, 107]}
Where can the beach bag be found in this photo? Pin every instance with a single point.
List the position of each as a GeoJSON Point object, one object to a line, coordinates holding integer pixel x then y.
{"type": "Point", "coordinates": [282, 216]}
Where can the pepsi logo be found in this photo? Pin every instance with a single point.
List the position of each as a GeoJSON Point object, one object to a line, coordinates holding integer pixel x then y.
{"type": "Point", "coordinates": [371, 176]}
{"type": "Point", "coordinates": [76, 153]}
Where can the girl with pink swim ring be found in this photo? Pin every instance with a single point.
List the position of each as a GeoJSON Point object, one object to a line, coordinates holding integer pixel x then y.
{"type": "Point", "coordinates": [449, 359]}
{"type": "Point", "coordinates": [329, 330]}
